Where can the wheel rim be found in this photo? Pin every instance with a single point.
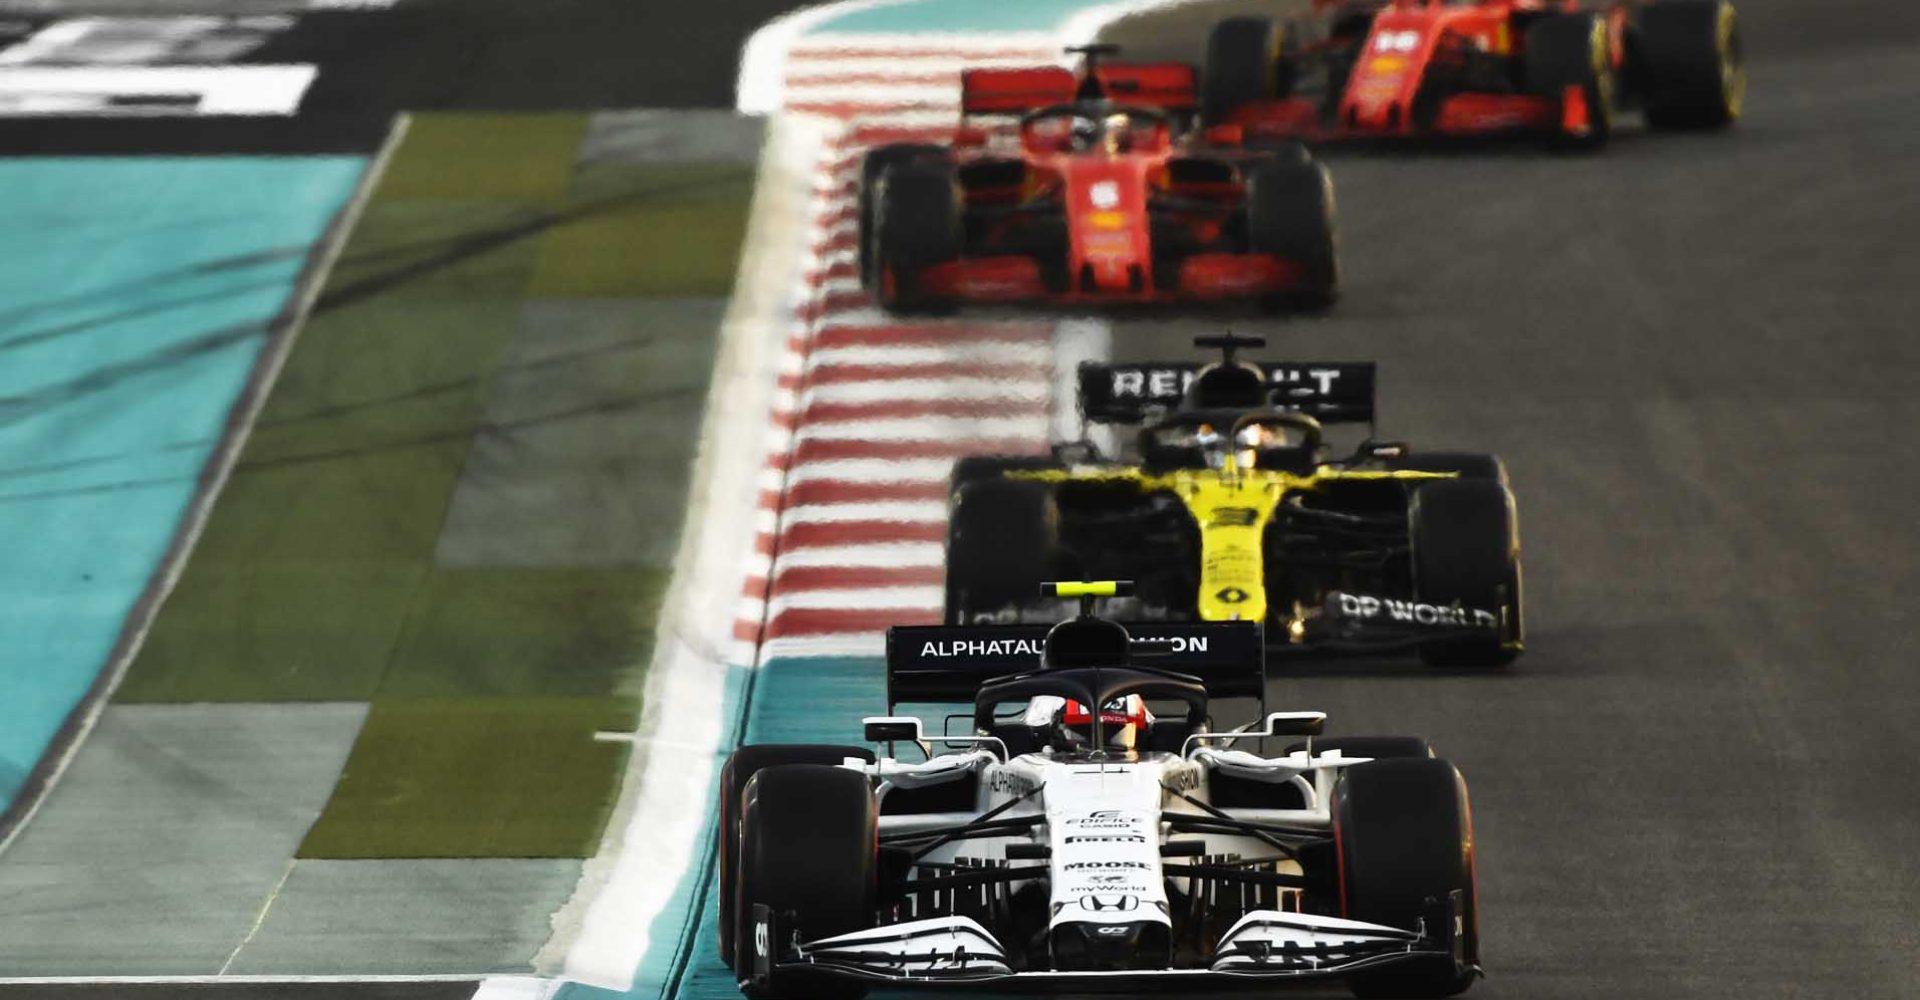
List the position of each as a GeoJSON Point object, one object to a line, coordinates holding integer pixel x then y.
{"type": "Point", "coordinates": [1601, 111]}
{"type": "Point", "coordinates": [1733, 67]}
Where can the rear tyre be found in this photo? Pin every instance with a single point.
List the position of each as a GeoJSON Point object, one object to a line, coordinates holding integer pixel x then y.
{"type": "Point", "coordinates": [1241, 66]}
{"type": "Point", "coordinates": [807, 851]}
{"type": "Point", "coordinates": [1290, 215]}
{"type": "Point", "coordinates": [1572, 50]}
{"type": "Point", "coordinates": [1404, 832]}
{"type": "Point", "coordinates": [741, 766]}
{"type": "Point", "coordinates": [1694, 73]}
{"type": "Point", "coordinates": [916, 226]}
{"type": "Point", "coordinates": [872, 166]}
{"type": "Point", "coordinates": [1002, 543]}
{"type": "Point", "coordinates": [1466, 549]}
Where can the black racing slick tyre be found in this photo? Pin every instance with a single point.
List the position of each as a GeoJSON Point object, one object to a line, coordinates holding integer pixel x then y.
{"type": "Point", "coordinates": [1573, 50]}
{"type": "Point", "coordinates": [872, 165]}
{"type": "Point", "coordinates": [1290, 215]}
{"type": "Point", "coordinates": [1243, 66]}
{"type": "Point", "coordinates": [1403, 831]}
{"type": "Point", "coordinates": [1465, 538]}
{"type": "Point", "coordinates": [916, 225]}
{"type": "Point", "coordinates": [740, 768]}
{"type": "Point", "coordinates": [1002, 543]}
{"type": "Point", "coordinates": [1693, 72]}
{"type": "Point", "coordinates": [809, 852]}
{"type": "Point", "coordinates": [1465, 464]}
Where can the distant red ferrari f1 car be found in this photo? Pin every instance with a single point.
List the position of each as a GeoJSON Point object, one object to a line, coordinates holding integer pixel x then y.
{"type": "Point", "coordinates": [1561, 68]}
{"type": "Point", "coordinates": [1098, 192]}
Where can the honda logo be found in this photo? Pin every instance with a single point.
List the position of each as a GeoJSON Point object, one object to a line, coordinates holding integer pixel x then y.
{"type": "Point", "coordinates": [1110, 904]}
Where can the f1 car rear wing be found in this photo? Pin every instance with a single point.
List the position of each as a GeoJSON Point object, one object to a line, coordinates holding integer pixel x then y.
{"type": "Point", "coordinates": [1329, 391]}
{"type": "Point", "coordinates": [948, 663]}
{"type": "Point", "coordinates": [1018, 91]}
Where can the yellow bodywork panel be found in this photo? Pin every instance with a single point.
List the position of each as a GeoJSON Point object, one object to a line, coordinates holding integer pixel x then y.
{"type": "Point", "coordinates": [1098, 588]}
{"type": "Point", "coordinates": [1232, 508]}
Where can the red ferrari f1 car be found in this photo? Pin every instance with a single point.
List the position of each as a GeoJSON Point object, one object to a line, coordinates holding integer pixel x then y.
{"type": "Point", "coordinates": [1391, 68]}
{"type": "Point", "coordinates": [1099, 191]}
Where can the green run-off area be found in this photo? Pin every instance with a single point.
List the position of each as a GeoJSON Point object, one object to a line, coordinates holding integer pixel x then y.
{"type": "Point", "coordinates": [463, 497]}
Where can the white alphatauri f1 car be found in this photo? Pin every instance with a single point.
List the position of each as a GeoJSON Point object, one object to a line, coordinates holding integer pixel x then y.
{"type": "Point", "coordinates": [1090, 833]}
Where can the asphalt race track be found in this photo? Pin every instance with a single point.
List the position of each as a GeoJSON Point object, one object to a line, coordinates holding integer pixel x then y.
{"type": "Point", "coordinates": [1696, 354]}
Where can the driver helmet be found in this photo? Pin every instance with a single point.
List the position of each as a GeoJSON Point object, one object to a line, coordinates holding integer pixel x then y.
{"type": "Point", "coordinates": [1117, 132]}
{"type": "Point", "coordinates": [1250, 441]}
{"type": "Point", "coordinates": [1085, 134]}
{"type": "Point", "coordinates": [1212, 445]}
{"type": "Point", "coordinates": [1123, 722]}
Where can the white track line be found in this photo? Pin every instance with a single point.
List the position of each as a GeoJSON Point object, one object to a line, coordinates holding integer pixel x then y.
{"type": "Point", "coordinates": [1009, 352]}
{"type": "Point", "coordinates": [862, 599]}
{"type": "Point", "coordinates": [904, 512]}
{"type": "Point", "coordinates": [888, 555]}
{"type": "Point", "coordinates": [847, 644]}
{"type": "Point", "coordinates": [925, 428]}
{"type": "Point", "coordinates": [874, 470]}
{"type": "Point", "coordinates": [908, 390]}
{"type": "Point", "coordinates": [260, 919]}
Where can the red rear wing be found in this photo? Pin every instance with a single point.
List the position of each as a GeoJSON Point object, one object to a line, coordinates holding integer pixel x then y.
{"type": "Point", "coordinates": [1158, 85]}
{"type": "Point", "coordinates": [1014, 91]}
{"type": "Point", "coordinates": [1017, 91]}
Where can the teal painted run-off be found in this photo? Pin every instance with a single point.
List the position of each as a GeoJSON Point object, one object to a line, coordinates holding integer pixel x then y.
{"type": "Point", "coordinates": [135, 297]}
{"type": "Point", "coordinates": [910, 16]}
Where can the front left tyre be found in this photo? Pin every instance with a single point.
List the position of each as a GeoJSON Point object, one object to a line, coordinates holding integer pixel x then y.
{"type": "Point", "coordinates": [808, 836]}
{"type": "Point", "coordinates": [917, 225]}
{"type": "Point", "coordinates": [1465, 537]}
{"type": "Point", "coordinates": [1403, 835]}
{"type": "Point", "coordinates": [875, 163]}
{"type": "Point", "coordinates": [740, 768]}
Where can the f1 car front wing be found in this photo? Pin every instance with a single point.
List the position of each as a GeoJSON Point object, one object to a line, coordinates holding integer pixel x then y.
{"type": "Point", "coordinates": [1265, 948]}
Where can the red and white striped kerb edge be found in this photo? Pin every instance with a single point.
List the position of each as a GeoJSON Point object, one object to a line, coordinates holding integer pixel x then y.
{"type": "Point", "coordinates": [872, 409]}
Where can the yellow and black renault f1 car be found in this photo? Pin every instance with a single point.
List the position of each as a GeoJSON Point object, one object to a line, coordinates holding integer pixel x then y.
{"type": "Point", "coordinates": [1230, 506]}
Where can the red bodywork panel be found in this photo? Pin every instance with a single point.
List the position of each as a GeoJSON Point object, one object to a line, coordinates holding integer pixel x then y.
{"type": "Point", "coordinates": [1110, 249]}
{"type": "Point", "coordinates": [1017, 91]}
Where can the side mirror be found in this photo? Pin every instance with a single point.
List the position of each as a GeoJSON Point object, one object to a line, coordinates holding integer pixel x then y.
{"type": "Point", "coordinates": [1386, 449]}
{"type": "Point", "coordinates": [892, 729]}
{"type": "Point", "coordinates": [1296, 723]}
{"type": "Point", "coordinates": [1224, 135]}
